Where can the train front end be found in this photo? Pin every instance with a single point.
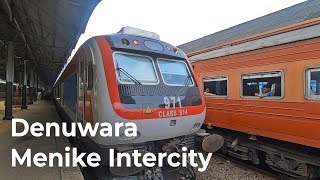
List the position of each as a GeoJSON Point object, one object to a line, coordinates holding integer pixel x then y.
{"type": "Point", "coordinates": [149, 83]}
{"type": "Point", "coordinates": [142, 80]}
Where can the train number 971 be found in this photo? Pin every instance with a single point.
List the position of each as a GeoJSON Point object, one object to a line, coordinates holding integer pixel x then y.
{"type": "Point", "coordinates": [171, 100]}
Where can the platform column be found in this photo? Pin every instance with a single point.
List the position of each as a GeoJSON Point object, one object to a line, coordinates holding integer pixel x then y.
{"type": "Point", "coordinates": [24, 88]}
{"type": "Point", "coordinates": [9, 82]}
{"type": "Point", "coordinates": [20, 86]}
{"type": "Point", "coordinates": [31, 87]}
{"type": "Point", "coordinates": [34, 86]}
{"type": "Point", "coordinates": [37, 86]}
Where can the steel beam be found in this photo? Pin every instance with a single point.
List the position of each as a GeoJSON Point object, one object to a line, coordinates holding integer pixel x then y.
{"type": "Point", "coordinates": [61, 48]}
{"type": "Point", "coordinates": [9, 9]}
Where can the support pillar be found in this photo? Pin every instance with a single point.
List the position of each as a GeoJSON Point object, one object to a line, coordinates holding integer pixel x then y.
{"type": "Point", "coordinates": [31, 87]}
{"type": "Point", "coordinates": [35, 87]}
{"type": "Point", "coordinates": [24, 88]}
{"type": "Point", "coordinates": [9, 82]}
{"type": "Point", "coordinates": [20, 87]}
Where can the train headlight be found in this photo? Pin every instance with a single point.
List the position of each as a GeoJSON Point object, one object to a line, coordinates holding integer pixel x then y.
{"type": "Point", "coordinates": [175, 50]}
{"type": "Point", "coordinates": [196, 127]}
{"type": "Point", "coordinates": [123, 137]}
{"type": "Point", "coordinates": [125, 41]}
{"type": "Point", "coordinates": [173, 122]}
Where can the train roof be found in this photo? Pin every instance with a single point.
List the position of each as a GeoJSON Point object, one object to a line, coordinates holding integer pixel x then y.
{"type": "Point", "coordinates": [298, 13]}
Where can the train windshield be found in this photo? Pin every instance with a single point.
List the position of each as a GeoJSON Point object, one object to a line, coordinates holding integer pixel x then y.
{"type": "Point", "coordinates": [135, 69]}
{"type": "Point", "coordinates": [175, 73]}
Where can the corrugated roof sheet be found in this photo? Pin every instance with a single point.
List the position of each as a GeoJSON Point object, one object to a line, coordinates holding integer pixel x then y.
{"type": "Point", "coordinates": [43, 32]}
{"type": "Point", "coordinates": [288, 16]}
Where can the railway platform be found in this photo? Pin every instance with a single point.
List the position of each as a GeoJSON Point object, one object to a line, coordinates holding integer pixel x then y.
{"type": "Point", "coordinates": [41, 111]}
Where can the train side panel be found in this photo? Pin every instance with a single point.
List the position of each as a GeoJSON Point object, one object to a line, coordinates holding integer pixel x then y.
{"type": "Point", "coordinates": [291, 118]}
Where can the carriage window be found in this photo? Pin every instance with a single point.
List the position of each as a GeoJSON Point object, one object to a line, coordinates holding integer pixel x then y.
{"type": "Point", "coordinates": [175, 73]}
{"type": "Point", "coordinates": [90, 77]}
{"type": "Point", "coordinates": [215, 86]}
{"type": "Point", "coordinates": [313, 84]}
{"type": "Point", "coordinates": [263, 85]}
{"type": "Point", "coordinates": [135, 69]}
{"type": "Point", "coordinates": [3, 86]}
{"type": "Point", "coordinates": [14, 87]}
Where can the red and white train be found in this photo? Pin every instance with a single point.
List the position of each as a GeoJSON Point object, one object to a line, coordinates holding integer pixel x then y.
{"type": "Point", "coordinates": [132, 76]}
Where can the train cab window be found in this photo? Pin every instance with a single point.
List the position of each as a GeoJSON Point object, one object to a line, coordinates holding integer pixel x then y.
{"type": "Point", "coordinates": [313, 84]}
{"type": "Point", "coordinates": [263, 85]}
{"type": "Point", "coordinates": [216, 86]}
{"type": "Point", "coordinates": [175, 73]}
{"type": "Point", "coordinates": [135, 69]}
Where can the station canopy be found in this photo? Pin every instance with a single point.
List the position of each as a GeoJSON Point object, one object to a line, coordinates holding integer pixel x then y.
{"type": "Point", "coordinates": [44, 32]}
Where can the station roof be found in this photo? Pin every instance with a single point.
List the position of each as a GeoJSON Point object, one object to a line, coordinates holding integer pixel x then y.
{"type": "Point", "coordinates": [43, 31]}
{"type": "Point", "coordinates": [300, 12]}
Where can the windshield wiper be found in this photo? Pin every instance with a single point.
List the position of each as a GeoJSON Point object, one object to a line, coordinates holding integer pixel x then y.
{"type": "Point", "coordinates": [128, 75]}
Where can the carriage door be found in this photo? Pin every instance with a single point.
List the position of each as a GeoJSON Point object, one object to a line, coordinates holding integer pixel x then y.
{"type": "Point", "coordinates": [81, 88]}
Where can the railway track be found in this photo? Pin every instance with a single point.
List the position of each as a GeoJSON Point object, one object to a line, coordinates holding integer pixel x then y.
{"type": "Point", "coordinates": [246, 165]}
{"type": "Point", "coordinates": [223, 166]}
{"type": "Point", "coordinates": [243, 170]}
